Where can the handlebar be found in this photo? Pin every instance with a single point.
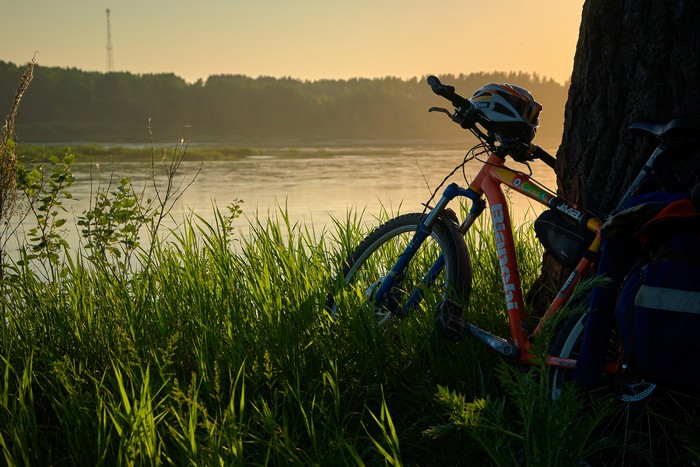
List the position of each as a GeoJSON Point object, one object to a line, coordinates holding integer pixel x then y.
{"type": "Point", "coordinates": [448, 92]}
{"type": "Point", "coordinates": [466, 115]}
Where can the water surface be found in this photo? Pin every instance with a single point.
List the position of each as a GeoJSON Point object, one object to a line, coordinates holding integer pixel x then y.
{"type": "Point", "coordinates": [313, 185]}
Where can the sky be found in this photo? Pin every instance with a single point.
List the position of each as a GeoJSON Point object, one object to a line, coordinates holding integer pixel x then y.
{"type": "Point", "coordinates": [303, 39]}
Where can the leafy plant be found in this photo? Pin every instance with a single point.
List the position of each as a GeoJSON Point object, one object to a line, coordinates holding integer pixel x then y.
{"type": "Point", "coordinates": [45, 190]}
{"type": "Point", "coordinates": [111, 227]}
{"type": "Point", "coordinates": [527, 426]}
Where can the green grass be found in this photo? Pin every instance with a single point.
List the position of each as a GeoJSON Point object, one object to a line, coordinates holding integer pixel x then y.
{"type": "Point", "coordinates": [206, 347]}
{"type": "Point", "coordinates": [218, 351]}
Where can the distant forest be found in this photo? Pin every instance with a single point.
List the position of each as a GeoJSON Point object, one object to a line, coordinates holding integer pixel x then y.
{"type": "Point", "coordinates": [70, 105]}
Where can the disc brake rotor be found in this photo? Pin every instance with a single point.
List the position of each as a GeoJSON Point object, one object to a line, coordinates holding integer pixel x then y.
{"type": "Point", "coordinates": [634, 392]}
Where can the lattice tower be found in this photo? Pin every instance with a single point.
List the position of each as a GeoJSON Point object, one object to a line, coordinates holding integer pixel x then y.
{"type": "Point", "coordinates": [110, 59]}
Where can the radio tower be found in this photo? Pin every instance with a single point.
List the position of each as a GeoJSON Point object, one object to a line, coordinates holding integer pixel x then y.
{"type": "Point", "coordinates": [110, 61]}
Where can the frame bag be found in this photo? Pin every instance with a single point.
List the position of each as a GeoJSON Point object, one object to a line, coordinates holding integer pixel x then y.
{"type": "Point", "coordinates": [562, 238]}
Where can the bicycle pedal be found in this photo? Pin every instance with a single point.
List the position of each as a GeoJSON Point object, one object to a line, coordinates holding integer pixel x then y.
{"type": "Point", "coordinates": [449, 320]}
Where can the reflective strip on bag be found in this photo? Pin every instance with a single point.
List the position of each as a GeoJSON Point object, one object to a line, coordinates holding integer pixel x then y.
{"type": "Point", "coordinates": [662, 298]}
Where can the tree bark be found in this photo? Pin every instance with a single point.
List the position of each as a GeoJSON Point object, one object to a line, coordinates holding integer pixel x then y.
{"type": "Point", "coordinates": [635, 60]}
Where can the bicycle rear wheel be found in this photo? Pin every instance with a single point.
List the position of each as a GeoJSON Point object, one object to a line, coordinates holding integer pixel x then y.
{"type": "Point", "coordinates": [369, 264]}
{"type": "Point", "coordinates": [648, 424]}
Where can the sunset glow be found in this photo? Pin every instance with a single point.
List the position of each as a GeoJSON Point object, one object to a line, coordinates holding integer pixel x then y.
{"type": "Point", "coordinates": [308, 39]}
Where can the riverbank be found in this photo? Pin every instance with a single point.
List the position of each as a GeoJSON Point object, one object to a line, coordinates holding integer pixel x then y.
{"type": "Point", "coordinates": [217, 151]}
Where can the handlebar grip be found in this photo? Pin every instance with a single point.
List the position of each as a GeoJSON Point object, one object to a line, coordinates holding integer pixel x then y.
{"type": "Point", "coordinates": [433, 82]}
{"type": "Point", "coordinates": [544, 156]}
{"type": "Point", "coordinates": [437, 86]}
{"type": "Point", "coordinates": [448, 92]}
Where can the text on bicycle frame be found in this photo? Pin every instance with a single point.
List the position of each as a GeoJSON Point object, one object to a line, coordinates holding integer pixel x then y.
{"type": "Point", "coordinates": [499, 228]}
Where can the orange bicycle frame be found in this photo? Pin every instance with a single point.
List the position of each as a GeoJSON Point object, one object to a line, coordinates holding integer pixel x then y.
{"type": "Point", "coordinates": [488, 182]}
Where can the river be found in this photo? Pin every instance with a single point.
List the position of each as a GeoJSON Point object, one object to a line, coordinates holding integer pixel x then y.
{"type": "Point", "coordinates": [313, 184]}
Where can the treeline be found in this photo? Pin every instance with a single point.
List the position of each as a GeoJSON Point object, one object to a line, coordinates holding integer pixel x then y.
{"type": "Point", "coordinates": [70, 105]}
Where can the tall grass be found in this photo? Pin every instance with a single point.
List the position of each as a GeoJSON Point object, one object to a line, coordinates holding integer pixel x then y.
{"type": "Point", "coordinates": [209, 346]}
{"type": "Point", "coordinates": [219, 350]}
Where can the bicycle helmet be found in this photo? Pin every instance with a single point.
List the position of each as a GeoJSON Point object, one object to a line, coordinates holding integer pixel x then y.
{"type": "Point", "coordinates": [512, 110]}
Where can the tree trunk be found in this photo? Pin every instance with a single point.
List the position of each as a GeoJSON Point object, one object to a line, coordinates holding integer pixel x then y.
{"type": "Point", "coordinates": [635, 60]}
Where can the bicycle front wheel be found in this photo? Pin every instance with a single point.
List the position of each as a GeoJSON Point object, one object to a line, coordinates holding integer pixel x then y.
{"type": "Point", "coordinates": [443, 257]}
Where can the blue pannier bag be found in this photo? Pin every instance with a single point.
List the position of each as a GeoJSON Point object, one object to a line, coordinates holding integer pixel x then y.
{"type": "Point", "coordinates": [620, 253]}
{"type": "Point", "coordinates": [658, 309]}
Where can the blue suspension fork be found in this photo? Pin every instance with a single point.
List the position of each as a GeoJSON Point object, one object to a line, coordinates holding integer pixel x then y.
{"type": "Point", "coordinates": [422, 232]}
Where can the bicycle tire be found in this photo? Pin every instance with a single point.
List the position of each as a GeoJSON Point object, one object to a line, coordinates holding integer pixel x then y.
{"type": "Point", "coordinates": [648, 424]}
{"type": "Point", "coordinates": [368, 264]}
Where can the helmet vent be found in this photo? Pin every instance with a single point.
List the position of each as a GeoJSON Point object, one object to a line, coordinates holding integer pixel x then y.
{"type": "Point", "coordinates": [502, 109]}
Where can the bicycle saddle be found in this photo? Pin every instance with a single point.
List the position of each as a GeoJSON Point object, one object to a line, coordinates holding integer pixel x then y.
{"type": "Point", "coordinates": [671, 130]}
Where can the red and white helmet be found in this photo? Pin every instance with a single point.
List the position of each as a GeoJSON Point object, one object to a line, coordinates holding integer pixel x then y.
{"type": "Point", "coordinates": [512, 110]}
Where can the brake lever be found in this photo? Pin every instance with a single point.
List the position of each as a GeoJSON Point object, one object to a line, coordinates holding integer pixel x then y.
{"type": "Point", "coordinates": [443, 110]}
{"type": "Point", "coordinates": [456, 117]}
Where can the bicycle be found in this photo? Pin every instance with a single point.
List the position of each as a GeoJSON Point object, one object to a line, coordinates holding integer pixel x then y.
{"type": "Point", "coordinates": [418, 257]}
